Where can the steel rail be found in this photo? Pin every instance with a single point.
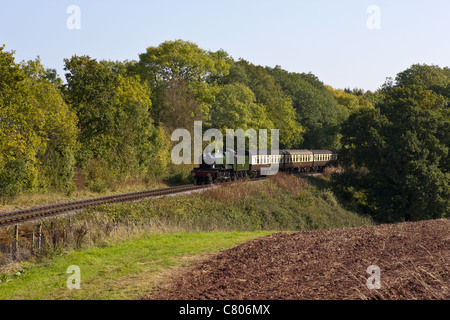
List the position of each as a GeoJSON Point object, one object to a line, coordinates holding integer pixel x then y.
{"type": "Point", "coordinates": [20, 216]}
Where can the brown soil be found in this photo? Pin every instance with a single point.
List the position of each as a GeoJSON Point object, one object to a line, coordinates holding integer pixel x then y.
{"type": "Point", "coordinates": [325, 264]}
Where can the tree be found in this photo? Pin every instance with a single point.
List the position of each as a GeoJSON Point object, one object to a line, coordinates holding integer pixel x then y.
{"type": "Point", "coordinates": [268, 93]}
{"type": "Point", "coordinates": [158, 65]}
{"type": "Point", "coordinates": [180, 108]}
{"type": "Point", "coordinates": [35, 69]}
{"type": "Point", "coordinates": [117, 134]}
{"type": "Point", "coordinates": [235, 107]}
{"type": "Point", "coordinates": [38, 131]}
{"type": "Point", "coordinates": [179, 59]}
{"type": "Point", "coordinates": [316, 110]}
{"type": "Point", "coordinates": [404, 146]}
{"type": "Point", "coordinates": [424, 76]}
{"type": "Point", "coordinates": [350, 100]}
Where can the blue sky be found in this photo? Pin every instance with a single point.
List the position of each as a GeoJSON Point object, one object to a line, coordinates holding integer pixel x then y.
{"type": "Point", "coordinates": [328, 38]}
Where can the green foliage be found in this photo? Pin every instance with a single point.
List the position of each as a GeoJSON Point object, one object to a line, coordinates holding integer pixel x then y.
{"type": "Point", "coordinates": [35, 69]}
{"type": "Point", "coordinates": [159, 66]}
{"type": "Point", "coordinates": [13, 176]}
{"type": "Point", "coordinates": [279, 109]}
{"type": "Point", "coordinates": [404, 145]}
{"type": "Point", "coordinates": [349, 100]}
{"type": "Point", "coordinates": [316, 110]}
{"type": "Point", "coordinates": [424, 76]}
{"type": "Point", "coordinates": [235, 107]}
{"type": "Point", "coordinates": [180, 108]}
{"type": "Point", "coordinates": [117, 132]}
{"type": "Point", "coordinates": [38, 131]}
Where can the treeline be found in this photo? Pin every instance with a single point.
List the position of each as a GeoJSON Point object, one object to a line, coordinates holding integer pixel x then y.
{"type": "Point", "coordinates": [397, 154]}
{"type": "Point", "coordinates": [111, 121]}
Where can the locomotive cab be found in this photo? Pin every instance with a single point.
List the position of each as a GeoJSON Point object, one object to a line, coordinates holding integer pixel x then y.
{"type": "Point", "coordinates": [213, 168]}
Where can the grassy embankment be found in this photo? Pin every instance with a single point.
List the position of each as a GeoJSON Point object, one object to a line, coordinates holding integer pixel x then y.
{"type": "Point", "coordinates": [123, 248]}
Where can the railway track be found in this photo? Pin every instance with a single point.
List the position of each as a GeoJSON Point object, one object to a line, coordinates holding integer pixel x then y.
{"type": "Point", "coordinates": [21, 216]}
{"type": "Point", "coordinates": [16, 217]}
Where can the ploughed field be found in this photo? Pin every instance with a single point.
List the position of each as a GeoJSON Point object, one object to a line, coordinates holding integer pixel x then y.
{"type": "Point", "coordinates": [413, 259]}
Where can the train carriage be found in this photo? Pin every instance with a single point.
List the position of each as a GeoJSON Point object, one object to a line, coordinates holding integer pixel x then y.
{"type": "Point", "coordinates": [298, 160]}
{"type": "Point", "coordinates": [266, 159]}
{"type": "Point", "coordinates": [323, 158]}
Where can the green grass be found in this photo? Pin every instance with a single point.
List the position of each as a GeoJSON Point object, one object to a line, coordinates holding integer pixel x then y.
{"type": "Point", "coordinates": [124, 270]}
